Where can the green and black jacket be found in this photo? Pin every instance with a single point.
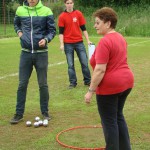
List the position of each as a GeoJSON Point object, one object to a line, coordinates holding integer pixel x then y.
{"type": "Point", "coordinates": [35, 23]}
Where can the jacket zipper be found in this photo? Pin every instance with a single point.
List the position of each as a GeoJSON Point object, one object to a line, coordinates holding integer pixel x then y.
{"type": "Point", "coordinates": [32, 35]}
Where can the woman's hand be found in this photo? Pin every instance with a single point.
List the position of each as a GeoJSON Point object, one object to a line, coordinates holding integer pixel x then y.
{"type": "Point", "coordinates": [88, 97]}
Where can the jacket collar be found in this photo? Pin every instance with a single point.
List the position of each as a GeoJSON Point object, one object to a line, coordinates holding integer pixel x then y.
{"type": "Point", "coordinates": [26, 4]}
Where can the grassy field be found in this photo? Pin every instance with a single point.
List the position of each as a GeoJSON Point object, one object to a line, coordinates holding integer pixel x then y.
{"type": "Point", "coordinates": [67, 107]}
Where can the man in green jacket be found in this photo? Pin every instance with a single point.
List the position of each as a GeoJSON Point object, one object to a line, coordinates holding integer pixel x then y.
{"type": "Point", "coordinates": [35, 26]}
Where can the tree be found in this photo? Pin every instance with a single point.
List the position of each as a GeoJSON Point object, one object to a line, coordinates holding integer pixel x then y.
{"type": "Point", "coordinates": [100, 3]}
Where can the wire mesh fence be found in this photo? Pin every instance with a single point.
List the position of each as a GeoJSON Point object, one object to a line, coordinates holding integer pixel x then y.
{"type": "Point", "coordinates": [6, 20]}
{"type": "Point", "coordinates": [7, 14]}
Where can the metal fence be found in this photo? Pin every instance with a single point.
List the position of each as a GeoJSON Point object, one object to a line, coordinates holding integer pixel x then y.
{"type": "Point", "coordinates": [7, 14]}
{"type": "Point", "coordinates": [6, 20]}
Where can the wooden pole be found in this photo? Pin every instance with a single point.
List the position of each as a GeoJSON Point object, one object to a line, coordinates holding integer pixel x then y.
{"type": "Point", "coordinates": [4, 17]}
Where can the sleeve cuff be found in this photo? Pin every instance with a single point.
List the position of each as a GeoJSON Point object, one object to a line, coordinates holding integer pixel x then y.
{"type": "Point", "coordinates": [19, 31]}
{"type": "Point", "coordinates": [46, 40]}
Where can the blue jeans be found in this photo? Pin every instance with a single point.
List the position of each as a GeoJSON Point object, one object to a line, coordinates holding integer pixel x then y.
{"type": "Point", "coordinates": [81, 53]}
{"type": "Point", "coordinates": [115, 129]}
{"type": "Point", "coordinates": [40, 62]}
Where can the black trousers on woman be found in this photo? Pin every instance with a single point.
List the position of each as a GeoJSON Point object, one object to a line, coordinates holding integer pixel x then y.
{"type": "Point", "coordinates": [115, 129]}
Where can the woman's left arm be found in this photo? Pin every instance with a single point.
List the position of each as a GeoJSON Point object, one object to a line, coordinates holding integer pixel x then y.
{"type": "Point", "coordinates": [97, 77]}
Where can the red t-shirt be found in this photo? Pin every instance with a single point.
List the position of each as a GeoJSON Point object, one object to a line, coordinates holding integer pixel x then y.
{"type": "Point", "coordinates": [71, 23]}
{"type": "Point", "coordinates": [112, 50]}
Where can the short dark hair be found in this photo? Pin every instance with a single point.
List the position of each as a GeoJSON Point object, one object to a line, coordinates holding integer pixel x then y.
{"type": "Point", "coordinates": [67, 0]}
{"type": "Point", "coordinates": [107, 14]}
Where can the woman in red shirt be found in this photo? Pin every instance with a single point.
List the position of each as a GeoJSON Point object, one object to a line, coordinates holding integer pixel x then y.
{"type": "Point", "coordinates": [112, 80]}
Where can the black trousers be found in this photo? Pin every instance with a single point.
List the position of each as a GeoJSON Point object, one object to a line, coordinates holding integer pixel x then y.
{"type": "Point", "coordinates": [27, 62]}
{"type": "Point", "coordinates": [115, 129]}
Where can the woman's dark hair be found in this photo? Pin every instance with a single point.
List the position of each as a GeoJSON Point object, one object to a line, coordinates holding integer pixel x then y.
{"type": "Point", "coordinates": [107, 14]}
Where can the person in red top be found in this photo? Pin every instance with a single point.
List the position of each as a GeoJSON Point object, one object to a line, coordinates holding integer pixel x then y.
{"type": "Point", "coordinates": [71, 22]}
{"type": "Point", "coordinates": [112, 80]}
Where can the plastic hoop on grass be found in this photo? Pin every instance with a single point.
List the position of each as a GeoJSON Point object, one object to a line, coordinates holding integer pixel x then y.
{"type": "Point", "coordinates": [73, 147]}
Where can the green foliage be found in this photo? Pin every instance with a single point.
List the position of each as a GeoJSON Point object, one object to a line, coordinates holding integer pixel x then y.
{"type": "Point", "coordinates": [57, 8]}
{"type": "Point", "coordinates": [133, 20]}
{"type": "Point", "coordinates": [101, 3]}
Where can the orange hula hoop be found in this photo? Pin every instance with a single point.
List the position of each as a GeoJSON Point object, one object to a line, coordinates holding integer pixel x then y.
{"type": "Point", "coordinates": [73, 147]}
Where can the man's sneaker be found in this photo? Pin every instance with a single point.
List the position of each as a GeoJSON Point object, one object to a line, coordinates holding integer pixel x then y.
{"type": "Point", "coordinates": [71, 86]}
{"type": "Point", "coordinates": [46, 116]}
{"type": "Point", "coordinates": [16, 119]}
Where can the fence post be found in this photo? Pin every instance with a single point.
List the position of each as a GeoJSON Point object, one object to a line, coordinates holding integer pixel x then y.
{"type": "Point", "coordinates": [4, 20]}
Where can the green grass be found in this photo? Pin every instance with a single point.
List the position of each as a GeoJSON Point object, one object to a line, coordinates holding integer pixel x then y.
{"type": "Point", "coordinates": [7, 30]}
{"type": "Point", "coordinates": [67, 107]}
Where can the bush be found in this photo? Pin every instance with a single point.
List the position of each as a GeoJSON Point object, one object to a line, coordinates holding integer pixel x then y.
{"type": "Point", "coordinates": [132, 20]}
{"type": "Point", "coordinates": [57, 8]}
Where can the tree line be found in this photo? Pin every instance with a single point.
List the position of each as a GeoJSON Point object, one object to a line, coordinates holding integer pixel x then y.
{"type": "Point", "coordinates": [8, 7]}
{"type": "Point", "coordinates": [123, 3]}
{"type": "Point", "coordinates": [93, 3]}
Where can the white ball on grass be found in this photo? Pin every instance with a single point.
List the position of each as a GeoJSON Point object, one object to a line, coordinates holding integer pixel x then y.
{"type": "Point", "coordinates": [37, 118]}
{"type": "Point", "coordinates": [40, 122]}
{"type": "Point", "coordinates": [45, 123]}
{"type": "Point", "coordinates": [28, 123]}
{"type": "Point", "coordinates": [36, 124]}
